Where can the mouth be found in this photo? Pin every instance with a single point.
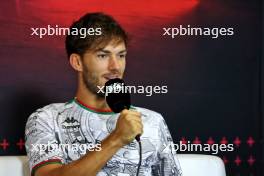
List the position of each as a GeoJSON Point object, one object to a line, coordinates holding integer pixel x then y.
{"type": "Point", "coordinates": [111, 76]}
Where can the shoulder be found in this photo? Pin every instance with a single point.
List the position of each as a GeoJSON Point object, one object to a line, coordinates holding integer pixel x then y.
{"type": "Point", "coordinates": [148, 114]}
{"type": "Point", "coordinates": [48, 110]}
{"type": "Point", "coordinates": [47, 114]}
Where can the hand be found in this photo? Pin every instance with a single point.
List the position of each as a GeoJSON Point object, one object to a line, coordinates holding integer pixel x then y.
{"type": "Point", "coordinates": [128, 126]}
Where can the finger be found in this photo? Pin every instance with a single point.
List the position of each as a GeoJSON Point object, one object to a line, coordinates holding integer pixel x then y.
{"type": "Point", "coordinates": [139, 131]}
{"type": "Point", "coordinates": [138, 125]}
{"type": "Point", "coordinates": [134, 118]}
{"type": "Point", "coordinates": [132, 112]}
{"type": "Point", "coordinates": [124, 111]}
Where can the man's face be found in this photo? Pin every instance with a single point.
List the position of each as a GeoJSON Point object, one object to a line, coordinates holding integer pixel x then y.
{"type": "Point", "coordinates": [103, 64]}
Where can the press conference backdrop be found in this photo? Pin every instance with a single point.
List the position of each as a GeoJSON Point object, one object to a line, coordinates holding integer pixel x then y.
{"type": "Point", "coordinates": [214, 84]}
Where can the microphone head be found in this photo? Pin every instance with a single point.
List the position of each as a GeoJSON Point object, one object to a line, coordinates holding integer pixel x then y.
{"type": "Point", "coordinates": [117, 97]}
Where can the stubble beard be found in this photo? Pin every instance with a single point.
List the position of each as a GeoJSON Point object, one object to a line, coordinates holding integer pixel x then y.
{"type": "Point", "coordinates": [91, 81]}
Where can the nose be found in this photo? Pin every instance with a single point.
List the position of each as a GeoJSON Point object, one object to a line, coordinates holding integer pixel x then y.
{"type": "Point", "coordinates": [114, 63]}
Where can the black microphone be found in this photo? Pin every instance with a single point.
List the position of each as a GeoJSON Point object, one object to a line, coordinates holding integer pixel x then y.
{"type": "Point", "coordinates": [117, 97]}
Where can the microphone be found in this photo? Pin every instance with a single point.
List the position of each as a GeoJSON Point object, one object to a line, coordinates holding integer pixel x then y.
{"type": "Point", "coordinates": [117, 97]}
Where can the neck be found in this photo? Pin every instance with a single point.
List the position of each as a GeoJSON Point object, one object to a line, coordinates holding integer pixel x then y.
{"type": "Point", "coordinates": [89, 98]}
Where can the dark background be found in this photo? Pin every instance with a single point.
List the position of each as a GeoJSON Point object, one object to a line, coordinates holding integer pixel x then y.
{"type": "Point", "coordinates": [215, 86]}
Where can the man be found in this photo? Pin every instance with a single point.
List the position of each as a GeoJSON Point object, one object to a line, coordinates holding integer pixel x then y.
{"type": "Point", "coordinates": [87, 120]}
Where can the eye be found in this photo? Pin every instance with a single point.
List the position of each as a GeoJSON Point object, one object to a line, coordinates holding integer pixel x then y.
{"type": "Point", "coordinates": [102, 56]}
{"type": "Point", "coordinates": [122, 56]}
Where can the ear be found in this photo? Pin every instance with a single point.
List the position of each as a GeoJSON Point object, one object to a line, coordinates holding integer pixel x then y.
{"type": "Point", "coordinates": [76, 62]}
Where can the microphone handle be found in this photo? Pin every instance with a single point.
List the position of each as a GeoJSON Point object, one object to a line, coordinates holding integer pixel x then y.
{"type": "Point", "coordinates": [138, 137]}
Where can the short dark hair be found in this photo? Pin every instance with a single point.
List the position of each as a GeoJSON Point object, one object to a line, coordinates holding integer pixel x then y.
{"type": "Point", "coordinates": [110, 29]}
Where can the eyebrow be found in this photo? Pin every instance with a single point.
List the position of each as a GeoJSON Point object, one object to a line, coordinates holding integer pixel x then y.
{"type": "Point", "coordinates": [107, 51]}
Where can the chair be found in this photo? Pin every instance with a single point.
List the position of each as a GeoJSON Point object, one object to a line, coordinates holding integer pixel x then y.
{"type": "Point", "coordinates": [201, 165]}
{"type": "Point", "coordinates": [14, 166]}
{"type": "Point", "coordinates": [191, 164]}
